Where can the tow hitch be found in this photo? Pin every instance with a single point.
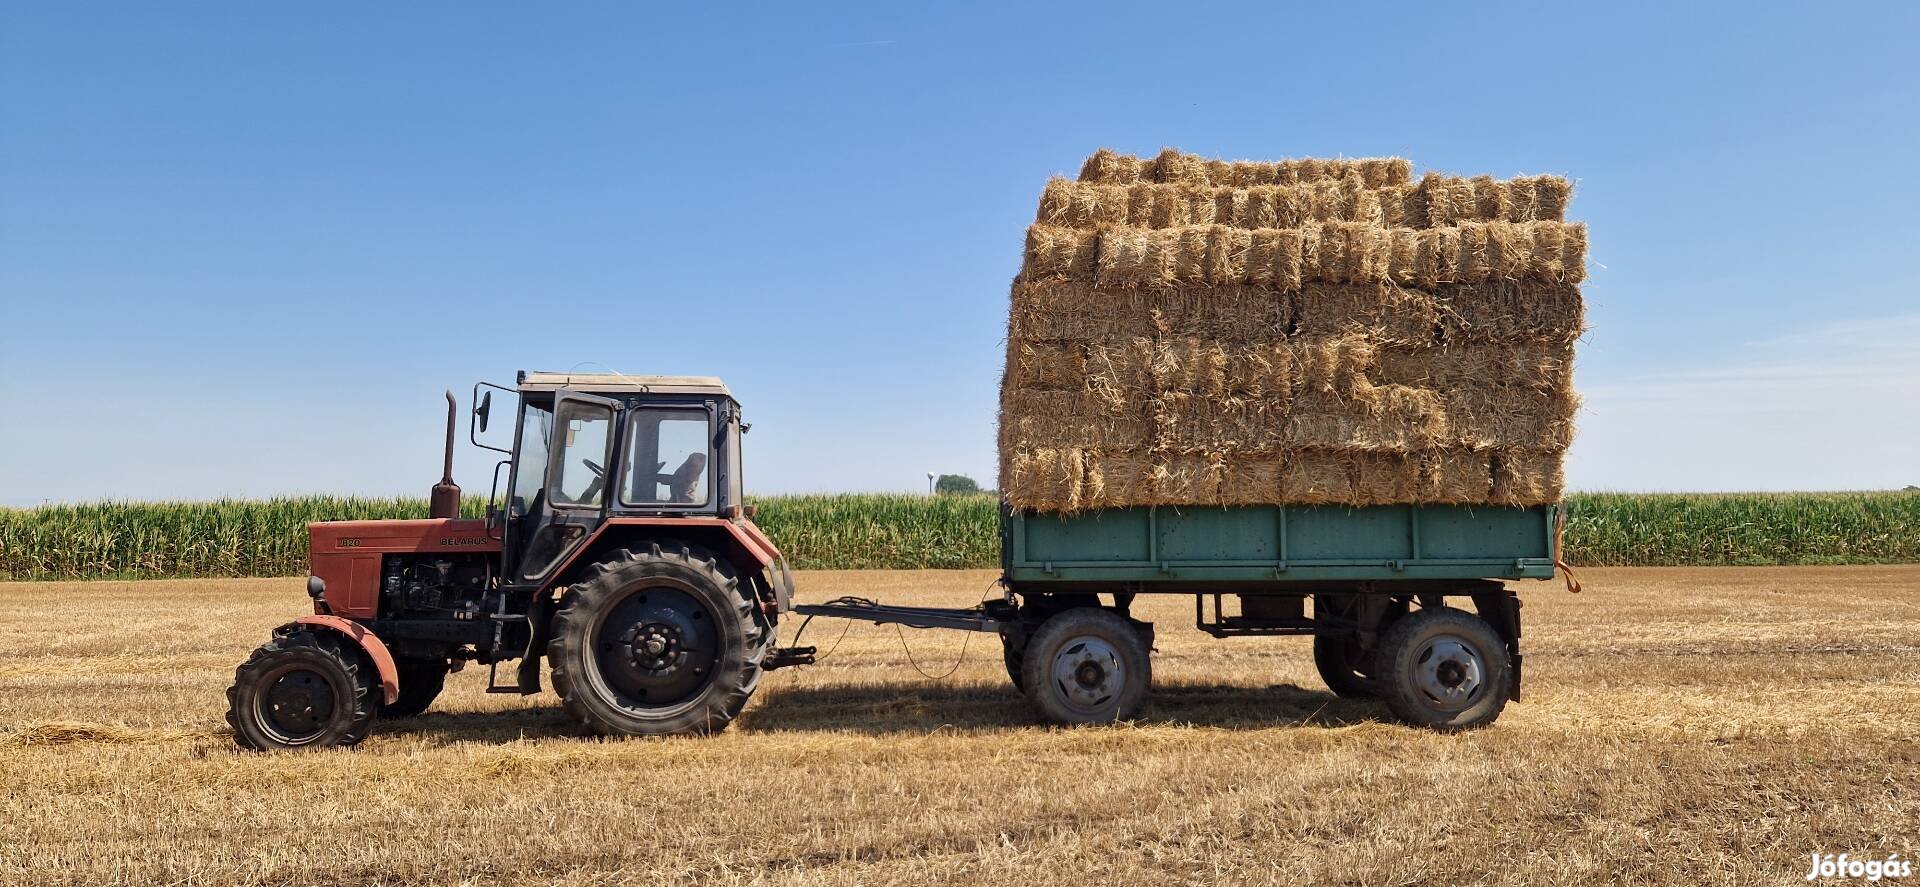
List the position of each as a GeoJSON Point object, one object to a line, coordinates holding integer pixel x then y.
{"type": "Point", "coordinates": [988, 616]}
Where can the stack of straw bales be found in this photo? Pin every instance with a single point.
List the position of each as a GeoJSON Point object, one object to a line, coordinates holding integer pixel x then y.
{"type": "Point", "coordinates": [1188, 331]}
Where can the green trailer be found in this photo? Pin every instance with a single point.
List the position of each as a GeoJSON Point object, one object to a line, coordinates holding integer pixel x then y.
{"type": "Point", "coordinates": [1378, 588]}
{"type": "Point", "coordinates": [1147, 548]}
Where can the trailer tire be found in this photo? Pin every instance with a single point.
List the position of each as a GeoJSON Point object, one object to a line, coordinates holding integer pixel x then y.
{"type": "Point", "coordinates": [1087, 666]}
{"type": "Point", "coordinates": [1015, 660]}
{"type": "Point", "coordinates": [1444, 669]}
{"type": "Point", "coordinates": [1344, 666]}
{"type": "Point", "coordinates": [658, 639]}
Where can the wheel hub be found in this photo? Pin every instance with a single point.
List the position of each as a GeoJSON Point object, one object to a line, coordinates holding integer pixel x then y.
{"type": "Point", "coordinates": [1089, 672]}
{"type": "Point", "coordinates": [653, 646]}
{"type": "Point", "coordinates": [1449, 672]}
{"type": "Point", "coordinates": [656, 647]}
{"type": "Point", "coordinates": [297, 705]}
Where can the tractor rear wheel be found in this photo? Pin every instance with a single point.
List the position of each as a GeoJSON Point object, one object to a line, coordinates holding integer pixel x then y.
{"type": "Point", "coordinates": [1444, 668]}
{"type": "Point", "coordinates": [658, 639]}
{"type": "Point", "coordinates": [421, 681]}
{"type": "Point", "coordinates": [1087, 665]}
{"type": "Point", "coordinates": [303, 689]}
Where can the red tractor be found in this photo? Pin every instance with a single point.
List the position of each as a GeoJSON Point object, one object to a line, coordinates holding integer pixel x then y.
{"type": "Point", "coordinates": [623, 556]}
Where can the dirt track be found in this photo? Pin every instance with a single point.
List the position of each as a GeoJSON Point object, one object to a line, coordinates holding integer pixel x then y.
{"type": "Point", "coordinates": [1680, 726]}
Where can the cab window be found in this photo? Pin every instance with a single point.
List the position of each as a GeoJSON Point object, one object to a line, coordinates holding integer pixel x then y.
{"type": "Point", "coordinates": [670, 451]}
{"type": "Point", "coordinates": [579, 467]}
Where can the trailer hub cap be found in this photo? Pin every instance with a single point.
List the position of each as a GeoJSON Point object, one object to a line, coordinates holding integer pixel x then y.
{"type": "Point", "coordinates": [1449, 672]}
{"type": "Point", "coordinates": [656, 647]}
{"type": "Point", "coordinates": [1088, 672]}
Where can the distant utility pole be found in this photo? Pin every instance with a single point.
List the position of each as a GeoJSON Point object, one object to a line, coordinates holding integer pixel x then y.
{"type": "Point", "coordinates": [929, 483]}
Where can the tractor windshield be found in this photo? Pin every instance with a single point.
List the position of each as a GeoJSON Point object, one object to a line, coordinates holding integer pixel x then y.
{"type": "Point", "coordinates": [530, 462]}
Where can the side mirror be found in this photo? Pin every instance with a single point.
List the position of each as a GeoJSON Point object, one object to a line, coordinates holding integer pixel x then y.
{"type": "Point", "coordinates": [485, 407]}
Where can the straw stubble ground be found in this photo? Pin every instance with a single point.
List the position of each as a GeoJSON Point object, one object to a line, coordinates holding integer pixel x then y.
{"type": "Point", "coordinates": [1680, 726]}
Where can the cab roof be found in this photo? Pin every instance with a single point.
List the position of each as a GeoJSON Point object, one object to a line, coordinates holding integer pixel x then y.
{"type": "Point", "coordinates": [624, 384]}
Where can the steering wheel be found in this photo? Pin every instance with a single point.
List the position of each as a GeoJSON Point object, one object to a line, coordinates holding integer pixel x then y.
{"type": "Point", "coordinates": [599, 481]}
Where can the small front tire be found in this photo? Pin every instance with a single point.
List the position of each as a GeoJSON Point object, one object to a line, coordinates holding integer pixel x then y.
{"type": "Point", "coordinates": [303, 689]}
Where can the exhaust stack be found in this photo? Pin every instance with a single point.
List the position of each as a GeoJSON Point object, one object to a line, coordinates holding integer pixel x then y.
{"type": "Point", "coordinates": [445, 502]}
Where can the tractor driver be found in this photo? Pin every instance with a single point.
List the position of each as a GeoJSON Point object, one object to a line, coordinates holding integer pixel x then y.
{"type": "Point", "coordinates": [684, 482]}
{"type": "Point", "coordinates": [683, 485]}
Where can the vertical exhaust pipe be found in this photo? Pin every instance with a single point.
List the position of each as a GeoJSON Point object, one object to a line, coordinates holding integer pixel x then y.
{"type": "Point", "coordinates": [445, 502]}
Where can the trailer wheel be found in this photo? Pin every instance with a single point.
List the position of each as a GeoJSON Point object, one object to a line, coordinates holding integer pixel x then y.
{"type": "Point", "coordinates": [301, 690]}
{"type": "Point", "coordinates": [1344, 666]}
{"type": "Point", "coordinates": [1014, 660]}
{"type": "Point", "coordinates": [657, 640]}
{"type": "Point", "coordinates": [1086, 666]}
{"type": "Point", "coordinates": [421, 681]}
{"type": "Point", "coordinates": [1445, 669]}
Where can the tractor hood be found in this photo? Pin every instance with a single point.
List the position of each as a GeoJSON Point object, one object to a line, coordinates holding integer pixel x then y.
{"type": "Point", "coordinates": [346, 554]}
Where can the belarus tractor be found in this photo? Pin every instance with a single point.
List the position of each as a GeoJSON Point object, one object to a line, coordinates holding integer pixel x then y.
{"type": "Point", "coordinates": [622, 556]}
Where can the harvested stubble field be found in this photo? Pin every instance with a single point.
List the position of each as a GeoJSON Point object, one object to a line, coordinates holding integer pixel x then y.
{"type": "Point", "coordinates": [1681, 726]}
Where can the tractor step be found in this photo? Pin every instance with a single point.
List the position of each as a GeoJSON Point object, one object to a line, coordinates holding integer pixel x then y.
{"type": "Point", "coordinates": [494, 685]}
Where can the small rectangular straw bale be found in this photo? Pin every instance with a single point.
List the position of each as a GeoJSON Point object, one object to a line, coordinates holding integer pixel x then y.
{"type": "Point", "coordinates": [1111, 168]}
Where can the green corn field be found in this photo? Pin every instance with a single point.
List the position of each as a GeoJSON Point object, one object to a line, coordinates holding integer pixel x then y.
{"type": "Point", "coordinates": [887, 531]}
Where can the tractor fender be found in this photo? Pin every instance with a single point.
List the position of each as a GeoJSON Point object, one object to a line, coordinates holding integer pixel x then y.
{"type": "Point", "coordinates": [742, 543]}
{"type": "Point", "coordinates": [370, 644]}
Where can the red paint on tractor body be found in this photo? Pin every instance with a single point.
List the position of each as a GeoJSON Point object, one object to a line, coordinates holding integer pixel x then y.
{"type": "Point", "coordinates": [346, 554]}
{"type": "Point", "coordinates": [747, 546]}
{"type": "Point", "coordinates": [371, 644]}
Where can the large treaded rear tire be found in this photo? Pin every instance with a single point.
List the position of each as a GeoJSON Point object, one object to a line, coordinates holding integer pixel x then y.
{"type": "Point", "coordinates": [341, 687]}
{"type": "Point", "coordinates": [742, 635]}
{"type": "Point", "coordinates": [1407, 653]}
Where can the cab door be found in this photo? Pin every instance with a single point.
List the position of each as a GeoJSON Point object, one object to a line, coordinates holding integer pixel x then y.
{"type": "Point", "coordinates": [578, 478]}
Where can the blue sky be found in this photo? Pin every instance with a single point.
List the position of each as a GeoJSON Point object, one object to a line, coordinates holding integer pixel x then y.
{"type": "Point", "coordinates": [244, 247]}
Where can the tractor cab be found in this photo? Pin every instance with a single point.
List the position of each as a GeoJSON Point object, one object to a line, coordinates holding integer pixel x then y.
{"type": "Point", "coordinates": [618, 554]}
{"type": "Point", "coordinates": [589, 448]}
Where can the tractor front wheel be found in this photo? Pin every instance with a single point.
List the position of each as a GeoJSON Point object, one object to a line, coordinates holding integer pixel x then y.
{"type": "Point", "coordinates": [657, 640]}
{"type": "Point", "coordinates": [303, 689]}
